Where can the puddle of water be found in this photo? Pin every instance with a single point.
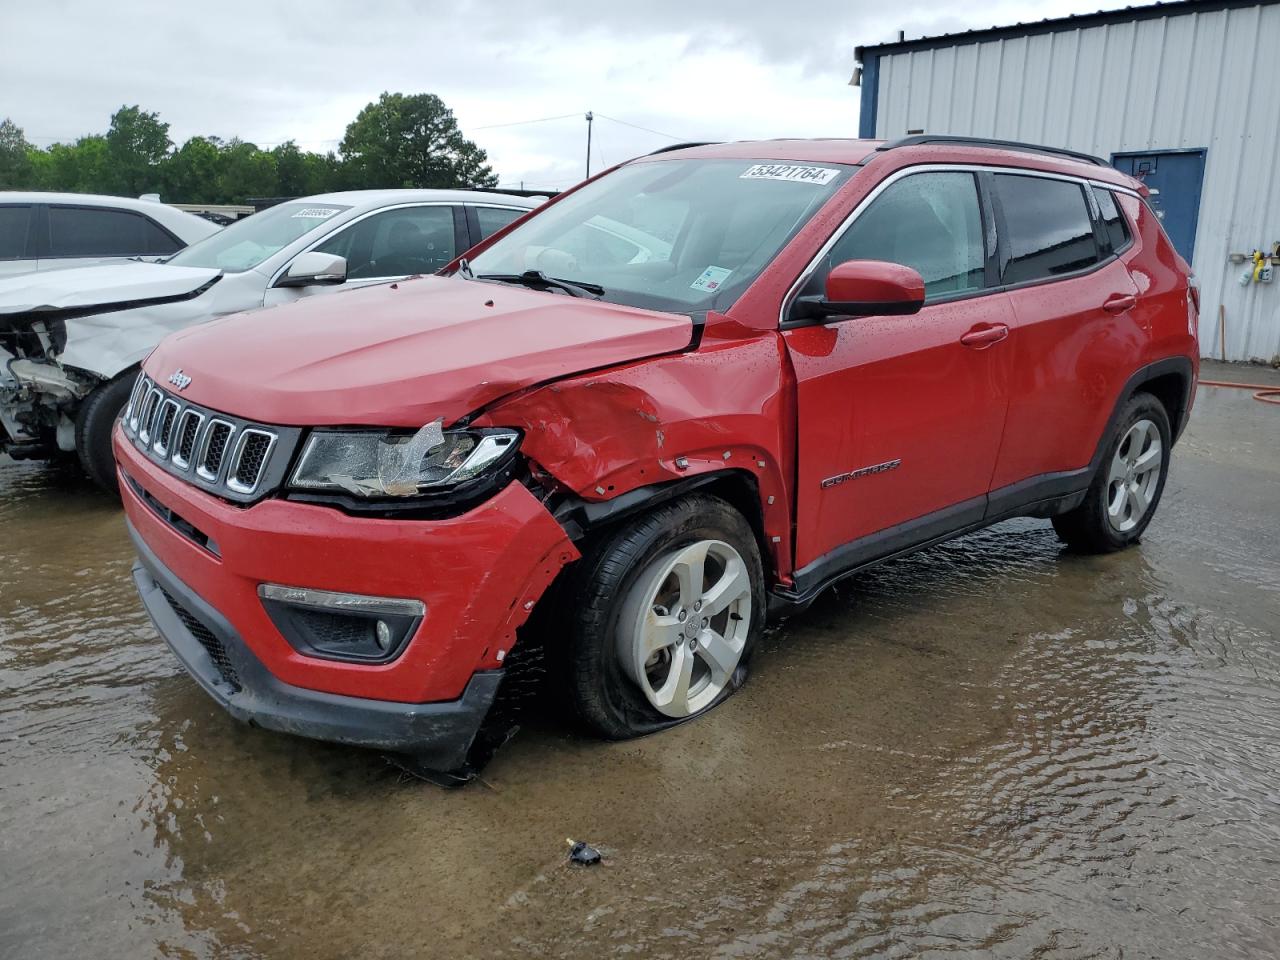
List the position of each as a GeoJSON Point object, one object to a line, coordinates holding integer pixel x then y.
{"type": "Point", "coordinates": [991, 748]}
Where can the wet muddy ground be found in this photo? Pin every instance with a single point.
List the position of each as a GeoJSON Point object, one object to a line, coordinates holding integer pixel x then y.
{"type": "Point", "coordinates": [992, 748]}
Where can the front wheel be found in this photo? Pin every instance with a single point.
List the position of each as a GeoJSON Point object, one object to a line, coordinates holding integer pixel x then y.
{"type": "Point", "coordinates": [1127, 487]}
{"type": "Point", "coordinates": [668, 609]}
{"type": "Point", "coordinates": [94, 423]}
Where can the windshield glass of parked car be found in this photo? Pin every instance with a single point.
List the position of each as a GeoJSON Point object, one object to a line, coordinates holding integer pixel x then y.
{"type": "Point", "coordinates": [680, 235]}
{"type": "Point", "coordinates": [246, 243]}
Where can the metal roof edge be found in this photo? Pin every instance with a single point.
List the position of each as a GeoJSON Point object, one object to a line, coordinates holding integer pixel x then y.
{"type": "Point", "coordinates": [1078, 21]}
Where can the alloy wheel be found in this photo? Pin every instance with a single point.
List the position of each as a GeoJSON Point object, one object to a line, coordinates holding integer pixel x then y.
{"type": "Point", "coordinates": [1133, 476]}
{"type": "Point", "coordinates": [684, 626]}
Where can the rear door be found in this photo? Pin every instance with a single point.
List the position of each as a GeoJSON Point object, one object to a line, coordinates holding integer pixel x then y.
{"type": "Point", "coordinates": [1076, 330]}
{"type": "Point", "coordinates": [899, 418]}
{"type": "Point", "coordinates": [17, 245]}
{"type": "Point", "coordinates": [484, 220]}
{"type": "Point", "coordinates": [77, 236]}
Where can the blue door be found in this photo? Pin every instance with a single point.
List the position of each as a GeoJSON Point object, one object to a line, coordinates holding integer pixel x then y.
{"type": "Point", "coordinates": [1175, 178]}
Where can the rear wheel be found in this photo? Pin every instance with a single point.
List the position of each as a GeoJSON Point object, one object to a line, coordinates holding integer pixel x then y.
{"type": "Point", "coordinates": [1127, 488]}
{"type": "Point", "coordinates": [94, 423]}
{"type": "Point", "coordinates": [668, 609]}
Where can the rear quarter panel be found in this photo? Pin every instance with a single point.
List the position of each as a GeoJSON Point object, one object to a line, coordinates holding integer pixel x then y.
{"type": "Point", "coordinates": [1161, 276]}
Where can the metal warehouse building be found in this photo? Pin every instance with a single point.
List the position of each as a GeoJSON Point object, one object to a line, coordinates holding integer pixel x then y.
{"type": "Point", "coordinates": [1183, 95]}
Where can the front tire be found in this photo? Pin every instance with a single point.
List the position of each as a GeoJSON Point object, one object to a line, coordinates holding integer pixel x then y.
{"type": "Point", "coordinates": [1127, 487]}
{"type": "Point", "coordinates": [94, 423]}
{"type": "Point", "coordinates": [666, 612]}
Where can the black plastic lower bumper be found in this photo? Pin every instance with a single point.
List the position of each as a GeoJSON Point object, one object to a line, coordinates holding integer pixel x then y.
{"type": "Point", "coordinates": [437, 735]}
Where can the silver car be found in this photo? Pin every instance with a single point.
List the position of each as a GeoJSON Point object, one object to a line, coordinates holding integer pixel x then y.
{"type": "Point", "coordinates": [56, 231]}
{"type": "Point", "coordinates": [71, 341]}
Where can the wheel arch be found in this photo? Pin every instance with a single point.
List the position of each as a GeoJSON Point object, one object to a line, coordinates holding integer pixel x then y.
{"type": "Point", "coordinates": [1173, 390]}
{"type": "Point", "coordinates": [586, 520]}
{"type": "Point", "coordinates": [1170, 381]}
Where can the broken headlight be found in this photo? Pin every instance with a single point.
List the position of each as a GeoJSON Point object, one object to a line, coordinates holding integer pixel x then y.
{"type": "Point", "coordinates": [385, 463]}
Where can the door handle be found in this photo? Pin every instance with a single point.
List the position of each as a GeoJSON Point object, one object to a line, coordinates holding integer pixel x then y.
{"type": "Point", "coordinates": [982, 337]}
{"type": "Point", "coordinates": [1120, 304]}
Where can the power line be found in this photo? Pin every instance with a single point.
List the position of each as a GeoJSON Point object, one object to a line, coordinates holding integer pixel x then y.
{"type": "Point", "coordinates": [669, 136]}
{"type": "Point", "coordinates": [520, 123]}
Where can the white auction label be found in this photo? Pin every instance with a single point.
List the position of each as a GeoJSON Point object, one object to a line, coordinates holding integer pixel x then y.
{"type": "Point", "coordinates": [789, 171]}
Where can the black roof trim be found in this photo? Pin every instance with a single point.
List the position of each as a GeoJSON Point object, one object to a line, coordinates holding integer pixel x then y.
{"type": "Point", "coordinates": [1079, 21]}
{"type": "Point", "coordinates": [682, 146]}
{"type": "Point", "coordinates": [920, 139]}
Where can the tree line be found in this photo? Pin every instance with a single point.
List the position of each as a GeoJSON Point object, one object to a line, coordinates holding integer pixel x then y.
{"type": "Point", "coordinates": [397, 141]}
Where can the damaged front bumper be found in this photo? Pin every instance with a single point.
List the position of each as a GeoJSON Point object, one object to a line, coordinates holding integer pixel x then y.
{"type": "Point", "coordinates": [437, 735]}
{"type": "Point", "coordinates": [477, 576]}
{"type": "Point", "coordinates": [37, 404]}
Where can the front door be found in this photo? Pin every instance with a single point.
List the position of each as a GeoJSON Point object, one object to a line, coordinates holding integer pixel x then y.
{"type": "Point", "coordinates": [900, 418]}
{"type": "Point", "coordinates": [1174, 178]}
{"type": "Point", "coordinates": [388, 245]}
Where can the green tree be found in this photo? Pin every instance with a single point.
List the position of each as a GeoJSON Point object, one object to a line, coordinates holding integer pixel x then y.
{"type": "Point", "coordinates": [137, 143]}
{"type": "Point", "coordinates": [80, 167]}
{"type": "Point", "coordinates": [244, 172]}
{"type": "Point", "coordinates": [15, 157]}
{"type": "Point", "coordinates": [412, 141]}
{"type": "Point", "coordinates": [190, 173]}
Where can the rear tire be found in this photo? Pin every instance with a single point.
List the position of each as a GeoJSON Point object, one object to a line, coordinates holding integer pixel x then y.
{"type": "Point", "coordinates": [1126, 489]}
{"type": "Point", "coordinates": [94, 424]}
{"type": "Point", "coordinates": [649, 647]}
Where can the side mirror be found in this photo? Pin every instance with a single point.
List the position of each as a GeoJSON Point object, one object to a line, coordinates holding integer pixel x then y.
{"type": "Point", "coordinates": [313, 268]}
{"type": "Point", "coordinates": [865, 288]}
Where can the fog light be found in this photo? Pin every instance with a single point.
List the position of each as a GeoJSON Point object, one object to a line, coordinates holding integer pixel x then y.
{"type": "Point", "coordinates": [342, 626]}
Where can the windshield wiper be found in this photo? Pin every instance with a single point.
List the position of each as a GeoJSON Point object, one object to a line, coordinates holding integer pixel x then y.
{"type": "Point", "coordinates": [538, 279]}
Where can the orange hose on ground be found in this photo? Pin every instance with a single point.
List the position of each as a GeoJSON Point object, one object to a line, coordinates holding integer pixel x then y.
{"type": "Point", "coordinates": [1265, 392]}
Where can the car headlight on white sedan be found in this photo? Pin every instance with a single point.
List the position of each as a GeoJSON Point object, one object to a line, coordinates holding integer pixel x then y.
{"type": "Point", "coordinates": [389, 463]}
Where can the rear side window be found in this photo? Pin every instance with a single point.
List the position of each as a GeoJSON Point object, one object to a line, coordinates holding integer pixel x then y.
{"type": "Point", "coordinates": [1047, 226]}
{"type": "Point", "coordinates": [928, 221]}
{"type": "Point", "coordinates": [493, 219]}
{"type": "Point", "coordinates": [90, 232]}
{"type": "Point", "coordinates": [1112, 219]}
{"type": "Point", "coordinates": [158, 240]}
{"type": "Point", "coordinates": [14, 222]}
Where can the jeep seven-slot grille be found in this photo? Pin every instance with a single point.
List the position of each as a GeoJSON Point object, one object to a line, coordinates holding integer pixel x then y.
{"type": "Point", "coordinates": [255, 445]}
{"type": "Point", "coordinates": [188, 430]}
{"type": "Point", "coordinates": [215, 447]}
{"type": "Point", "coordinates": [233, 458]}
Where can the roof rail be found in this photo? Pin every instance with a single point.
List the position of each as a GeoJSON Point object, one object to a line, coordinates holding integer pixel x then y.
{"type": "Point", "coordinates": [682, 146]}
{"type": "Point", "coordinates": [919, 139]}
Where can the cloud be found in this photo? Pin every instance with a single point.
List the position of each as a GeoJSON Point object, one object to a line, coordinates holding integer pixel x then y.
{"type": "Point", "coordinates": [268, 73]}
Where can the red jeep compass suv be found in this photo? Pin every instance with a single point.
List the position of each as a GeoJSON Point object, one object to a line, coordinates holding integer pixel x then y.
{"type": "Point", "coordinates": [696, 389]}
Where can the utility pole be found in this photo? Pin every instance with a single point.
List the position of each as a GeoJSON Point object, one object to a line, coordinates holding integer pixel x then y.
{"type": "Point", "coordinates": [589, 119]}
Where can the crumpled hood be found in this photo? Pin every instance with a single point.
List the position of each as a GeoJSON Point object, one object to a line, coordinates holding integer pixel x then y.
{"type": "Point", "coordinates": [105, 285]}
{"type": "Point", "coordinates": [404, 354]}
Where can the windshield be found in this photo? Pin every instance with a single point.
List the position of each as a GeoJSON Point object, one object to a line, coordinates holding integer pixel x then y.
{"type": "Point", "coordinates": [680, 235]}
{"type": "Point", "coordinates": [246, 243]}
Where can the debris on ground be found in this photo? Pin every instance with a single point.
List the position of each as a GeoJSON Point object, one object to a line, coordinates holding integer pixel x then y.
{"type": "Point", "coordinates": [583, 854]}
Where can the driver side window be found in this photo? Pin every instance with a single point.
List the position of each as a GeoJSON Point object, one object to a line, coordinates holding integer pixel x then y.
{"type": "Point", "coordinates": [396, 243]}
{"type": "Point", "coordinates": [930, 222]}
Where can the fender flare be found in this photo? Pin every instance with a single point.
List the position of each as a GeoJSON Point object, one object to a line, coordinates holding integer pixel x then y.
{"type": "Point", "coordinates": [1181, 366]}
{"type": "Point", "coordinates": [580, 517]}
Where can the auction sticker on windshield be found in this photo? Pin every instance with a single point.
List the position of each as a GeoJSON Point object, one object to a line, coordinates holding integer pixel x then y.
{"type": "Point", "coordinates": [710, 278]}
{"type": "Point", "coordinates": [315, 213]}
{"type": "Point", "coordinates": [789, 171]}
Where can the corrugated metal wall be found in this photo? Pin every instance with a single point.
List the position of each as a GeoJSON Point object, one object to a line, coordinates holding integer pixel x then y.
{"type": "Point", "coordinates": [1199, 79]}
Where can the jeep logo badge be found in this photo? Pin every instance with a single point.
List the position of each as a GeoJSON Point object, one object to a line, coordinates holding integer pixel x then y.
{"type": "Point", "coordinates": [179, 379]}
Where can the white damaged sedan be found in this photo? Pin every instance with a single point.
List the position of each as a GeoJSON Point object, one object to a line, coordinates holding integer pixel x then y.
{"type": "Point", "coordinates": [71, 340]}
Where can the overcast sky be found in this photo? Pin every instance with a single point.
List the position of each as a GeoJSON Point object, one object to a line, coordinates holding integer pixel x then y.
{"type": "Point", "coordinates": [687, 69]}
